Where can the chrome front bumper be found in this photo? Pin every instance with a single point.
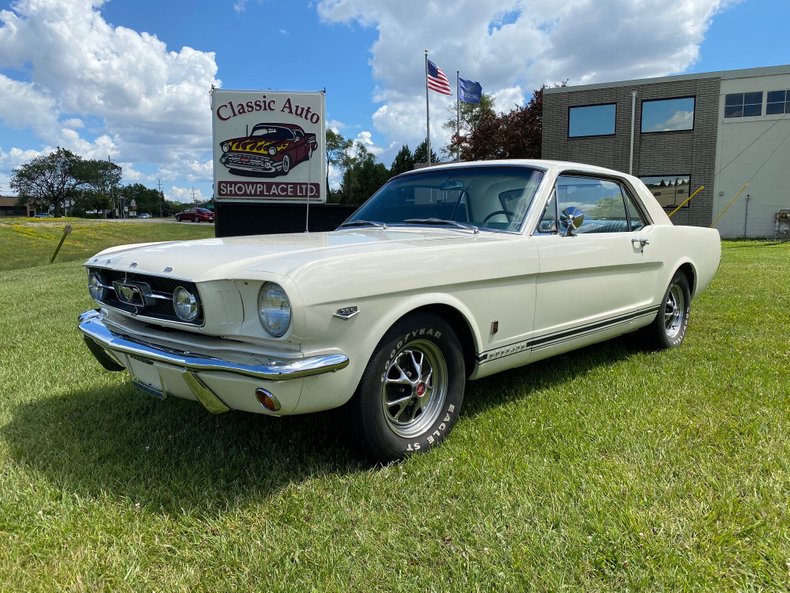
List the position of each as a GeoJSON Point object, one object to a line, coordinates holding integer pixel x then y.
{"type": "Point", "coordinates": [91, 324]}
{"type": "Point", "coordinates": [115, 352]}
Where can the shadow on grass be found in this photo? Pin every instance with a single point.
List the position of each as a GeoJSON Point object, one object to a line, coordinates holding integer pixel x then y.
{"type": "Point", "coordinates": [755, 243]}
{"type": "Point", "coordinates": [173, 456]}
{"type": "Point", "coordinates": [523, 382]}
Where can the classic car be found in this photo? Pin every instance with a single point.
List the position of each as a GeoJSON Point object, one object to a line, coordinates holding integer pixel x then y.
{"type": "Point", "coordinates": [195, 215]}
{"type": "Point", "coordinates": [269, 148]}
{"type": "Point", "coordinates": [447, 274]}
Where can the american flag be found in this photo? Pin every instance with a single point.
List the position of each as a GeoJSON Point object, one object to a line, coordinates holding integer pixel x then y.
{"type": "Point", "coordinates": [437, 80]}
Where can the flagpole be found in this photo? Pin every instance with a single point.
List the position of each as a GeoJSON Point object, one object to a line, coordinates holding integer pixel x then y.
{"type": "Point", "coordinates": [427, 112]}
{"type": "Point", "coordinates": [458, 113]}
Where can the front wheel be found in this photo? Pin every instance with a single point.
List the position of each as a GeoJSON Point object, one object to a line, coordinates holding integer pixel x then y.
{"type": "Point", "coordinates": [412, 389]}
{"type": "Point", "coordinates": [669, 327]}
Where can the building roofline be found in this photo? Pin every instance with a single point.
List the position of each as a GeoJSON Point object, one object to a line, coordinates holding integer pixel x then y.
{"type": "Point", "coordinates": [721, 74]}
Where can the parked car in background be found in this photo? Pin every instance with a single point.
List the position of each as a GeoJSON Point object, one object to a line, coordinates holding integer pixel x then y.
{"type": "Point", "coordinates": [447, 274]}
{"type": "Point", "coordinates": [144, 215]}
{"type": "Point", "coordinates": [269, 149]}
{"type": "Point", "coordinates": [196, 215]}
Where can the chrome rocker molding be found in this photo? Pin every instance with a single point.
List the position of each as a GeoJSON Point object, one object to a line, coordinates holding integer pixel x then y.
{"type": "Point", "coordinates": [102, 343]}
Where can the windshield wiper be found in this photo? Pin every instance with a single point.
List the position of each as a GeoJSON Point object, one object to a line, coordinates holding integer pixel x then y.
{"type": "Point", "coordinates": [441, 221]}
{"type": "Point", "coordinates": [378, 225]}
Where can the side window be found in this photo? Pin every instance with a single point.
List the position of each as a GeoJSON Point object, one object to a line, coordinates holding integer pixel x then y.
{"type": "Point", "coordinates": [634, 215]}
{"type": "Point", "coordinates": [548, 222]}
{"type": "Point", "coordinates": [607, 206]}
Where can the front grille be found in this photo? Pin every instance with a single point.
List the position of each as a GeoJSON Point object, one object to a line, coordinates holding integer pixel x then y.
{"type": "Point", "coordinates": [153, 297]}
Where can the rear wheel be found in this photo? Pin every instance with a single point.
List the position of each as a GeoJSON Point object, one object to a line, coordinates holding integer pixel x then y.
{"type": "Point", "coordinates": [669, 327]}
{"type": "Point", "coordinates": [286, 164]}
{"type": "Point", "coordinates": [412, 389]}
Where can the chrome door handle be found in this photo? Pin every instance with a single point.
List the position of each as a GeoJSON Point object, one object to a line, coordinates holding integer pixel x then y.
{"type": "Point", "coordinates": [640, 243]}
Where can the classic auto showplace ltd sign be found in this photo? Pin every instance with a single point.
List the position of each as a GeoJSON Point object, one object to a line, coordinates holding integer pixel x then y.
{"type": "Point", "coordinates": [269, 146]}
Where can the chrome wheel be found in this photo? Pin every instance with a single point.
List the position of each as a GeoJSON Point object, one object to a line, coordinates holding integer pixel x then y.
{"type": "Point", "coordinates": [414, 388]}
{"type": "Point", "coordinates": [674, 311]}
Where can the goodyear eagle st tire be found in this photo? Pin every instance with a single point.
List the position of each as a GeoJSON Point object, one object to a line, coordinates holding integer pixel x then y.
{"type": "Point", "coordinates": [412, 389]}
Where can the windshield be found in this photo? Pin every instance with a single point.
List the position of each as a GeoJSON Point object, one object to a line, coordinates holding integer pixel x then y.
{"type": "Point", "coordinates": [491, 198]}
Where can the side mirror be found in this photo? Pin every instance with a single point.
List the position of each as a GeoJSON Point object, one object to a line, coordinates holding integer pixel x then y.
{"type": "Point", "coordinates": [571, 218]}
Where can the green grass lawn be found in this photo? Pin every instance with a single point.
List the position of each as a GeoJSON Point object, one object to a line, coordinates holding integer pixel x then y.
{"type": "Point", "coordinates": [607, 469]}
{"type": "Point", "coordinates": [32, 242]}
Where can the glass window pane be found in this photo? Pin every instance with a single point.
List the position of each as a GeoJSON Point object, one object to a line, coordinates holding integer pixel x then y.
{"type": "Point", "coordinates": [600, 200]}
{"type": "Point", "coordinates": [633, 213]}
{"type": "Point", "coordinates": [752, 110]}
{"type": "Point", "coordinates": [733, 111]}
{"type": "Point", "coordinates": [668, 115]}
{"type": "Point", "coordinates": [669, 190]}
{"type": "Point", "coordinates": [752, 98]}
{"type": "Point", "coordinates": [774, 108]}
{"type": "Point", "coordinates": [734, 99]}
{"type": "Point", "coordinates": [776, 96]}
{"type": "Point", "coordinates": [591, 120]}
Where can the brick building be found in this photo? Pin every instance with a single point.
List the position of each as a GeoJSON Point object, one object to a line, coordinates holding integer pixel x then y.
{"type": "Point", "coordinates": [727, 131]}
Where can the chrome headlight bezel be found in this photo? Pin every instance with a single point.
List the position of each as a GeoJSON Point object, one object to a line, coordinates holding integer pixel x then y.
{"type": "Point", "coordinates": [272, 150]}
{"type": "Point", "coordinates": [96, 287]}
{"type": "Point", "coordinates": [225, 146]}
{"type": "Point", "coordinates": [274, 309]}
{"type": "Point", "coordinates": [186, 304]}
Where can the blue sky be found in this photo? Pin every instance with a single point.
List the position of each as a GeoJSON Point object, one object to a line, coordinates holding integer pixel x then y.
{"type": "Point", "coordinates": [130, 79]}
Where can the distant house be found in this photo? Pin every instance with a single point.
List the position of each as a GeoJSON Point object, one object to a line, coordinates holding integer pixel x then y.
{"type": "Point", "coordinates": [9, 206]}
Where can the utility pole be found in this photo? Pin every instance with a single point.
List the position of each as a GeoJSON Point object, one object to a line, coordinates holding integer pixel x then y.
{"type": "Point", "coordinates": [161, 197]}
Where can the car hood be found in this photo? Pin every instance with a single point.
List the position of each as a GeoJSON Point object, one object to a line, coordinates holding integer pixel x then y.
{"type": "Point", "coordinates": [295, 254]}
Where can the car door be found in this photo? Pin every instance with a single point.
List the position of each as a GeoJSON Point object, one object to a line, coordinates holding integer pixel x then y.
{"type": "Point", "coordinates": [596, 280]}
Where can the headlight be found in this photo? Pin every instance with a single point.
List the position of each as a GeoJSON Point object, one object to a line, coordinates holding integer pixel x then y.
{"type": "Point", "coordinates": [225, 147]}
{"type": "Point", "coordinates": [274, 309]}
{"type": "Point", "coordinates": [95, 286]}
{"type": "Point", "coordinates": [185, 304]}
{"type": "Point", "coordinates": [272, 150]}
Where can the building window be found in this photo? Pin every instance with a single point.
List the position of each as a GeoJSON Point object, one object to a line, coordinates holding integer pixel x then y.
{"type": "Point", "coordinates": [778, 103]}
{"type": "Point", "coordinates": [591, 120]}
{"type": "Point", "coordinates": [669, 190]}
{"type": "Point", "coordinates": [743, 104]}
{"type": "Point", "coordinates": [668, 115]}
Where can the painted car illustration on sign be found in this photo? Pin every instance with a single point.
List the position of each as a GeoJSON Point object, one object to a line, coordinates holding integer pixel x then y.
{"type": "Point", "coordinates": [269, 149]}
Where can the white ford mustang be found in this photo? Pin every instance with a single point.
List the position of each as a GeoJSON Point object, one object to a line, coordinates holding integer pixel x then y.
{"type": "Point", "coordinates": [446, 274]}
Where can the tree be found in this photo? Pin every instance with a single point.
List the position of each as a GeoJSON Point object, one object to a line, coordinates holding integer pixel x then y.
{"type": "Point", "coordinates": [362, 177]}
{"type": "Point", "coordinates": [404, 161]}
{"type": "Point", "coordinates": [337, 157]}
{"type": "Point", "coordinates": [147, 199]}
{"type": "Point", "coordinates": [514, 135]}
{"type": "Point", "coordinates": [100, 188]}
{"type": "Point", "coordinates": [49, 181]}
{"type": "Point", "coordinates": [421, 154]}
{"type": "Point", "coordinates": [471, 115]}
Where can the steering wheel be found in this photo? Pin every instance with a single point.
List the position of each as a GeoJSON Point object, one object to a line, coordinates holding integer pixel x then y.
{"type": "Point", "coordinates": [508, 214]}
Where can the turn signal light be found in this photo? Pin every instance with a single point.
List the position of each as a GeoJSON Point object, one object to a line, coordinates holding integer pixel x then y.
{"type": "Point", "coordinates": [268, 401]}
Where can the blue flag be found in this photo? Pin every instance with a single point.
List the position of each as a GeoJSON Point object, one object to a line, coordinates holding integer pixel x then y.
{"type": "Point", "coordinates": [469, 91]}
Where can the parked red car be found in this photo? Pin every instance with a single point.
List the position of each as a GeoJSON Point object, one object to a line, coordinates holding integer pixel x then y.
{"type": "Point", "coordinates": [196, 215]}
{"type": "Point", "coordinates": [270, 148]}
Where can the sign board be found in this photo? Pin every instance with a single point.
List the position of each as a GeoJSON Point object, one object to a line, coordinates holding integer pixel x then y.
{"type": "Point", "coordinates": [269, 146]}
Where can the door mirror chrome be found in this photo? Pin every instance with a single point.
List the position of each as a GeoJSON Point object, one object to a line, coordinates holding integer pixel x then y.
{"type": "Point", "coordinates": [571, 218]}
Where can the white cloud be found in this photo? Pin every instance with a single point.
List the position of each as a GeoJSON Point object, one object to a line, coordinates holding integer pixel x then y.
{"type": "Point", "coordinates": [149, 104]}
{"type": "Point", "coordinates": [186, 195]}
{"type": "Point", "coordinates": [514, 46]}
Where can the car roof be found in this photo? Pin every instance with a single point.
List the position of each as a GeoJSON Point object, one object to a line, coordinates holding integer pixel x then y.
{"type": "Point", "coordinates": [286, 126]}
{"type": "Point", "coordinates": [543, 164]}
